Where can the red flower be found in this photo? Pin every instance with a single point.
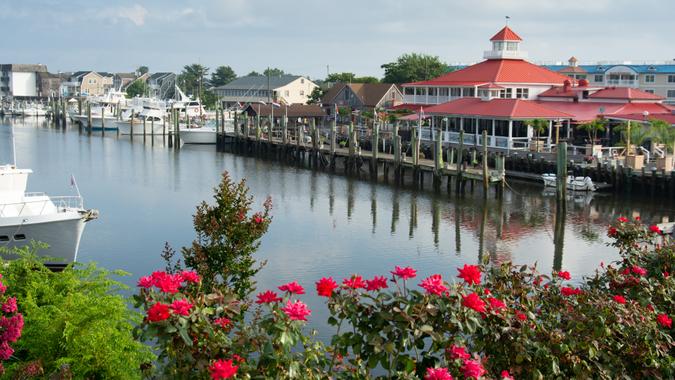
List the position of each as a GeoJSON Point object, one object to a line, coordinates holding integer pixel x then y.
{"type": "Point", "coordinates": [470, 274]}
{"type": "Point", "coordinates": [222, 322]}
{"type": "Point", "coordinates": [404, 273]}
{"type": "Point", "coordinates": [257, 219]}
{"type": "Point", "coordinates": [565, 275]}
{"type": "Point", "coordinates": [655, 229]}
{"type": "Point", "coordinates": [354, 282]}
{"type": "Point", "coordinates": [10, 305]}
{"type": "Point", "coordinates": [666, 274]}
{"type": "Point", "coordinates": [222, 369]}
{"type": "Point", "coordinates": [619, 299]}
{"type": "Point", "coordinates": [267, 297]}
{"type": "Point", "coordinates": [496, 304]}
{"type": "Point", "coordinates": [505, 375]}
{"type": "Point", "coordinates": [650, 307]}
{"type": "Point", "coordinates": [237, 358]}
{"type": "Point", "coordinates": [521, 316]}
{"type": "Point", "coordinates": [434, 285]}
{"type": "Point", "coordinates": [566, 291]}
{"type": "Point", "coordinates": [325, 286]}
{"type": "Point", "coordinates": [622, 219]}
{"type": "Point", "coordinates": [293, 288]}
{"type": "Point", "coordinates": [457, 352]}
{"type": "Point", "coordinates": [612, 231]}
{"type": "Point", "coordinates": [664, 320]}
{"type": "Point", "coordinates": [472, 368]}
{"type": "Point", "coordinates": [437, 374]}
{"type": "Point", "coordinates": [181, 307]}
{"type": "Point", "coordinates": [296, 311]}
{"type": "Point", "coordinates": [167, 283]}
{"type": "Point", "coordinates": [637, 218]}
{"type": "Point", "coordinates": [158, 312]}
{"type": "Point", "coordinates": [377, 283]}
{"type": "Point", "coordinates": [145, 282]}
{"type": "Point", "coordinates": [625, 271]}
{"type": "Point", "coordinates": [537, 280]}
{"type": "Point", "coordinates": [640, 271]}
{"type": "Point", "coordinates": [473, 301]}
{"type": "Point", "coordinates": [190, 276]}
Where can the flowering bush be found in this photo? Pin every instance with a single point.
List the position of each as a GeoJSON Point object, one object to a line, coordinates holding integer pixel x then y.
{"type": "Point", "coordinates": [11, 324]}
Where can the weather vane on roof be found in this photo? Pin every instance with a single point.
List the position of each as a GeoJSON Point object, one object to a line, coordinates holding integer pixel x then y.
{"type": "Point", "coordinates": [507, 20]}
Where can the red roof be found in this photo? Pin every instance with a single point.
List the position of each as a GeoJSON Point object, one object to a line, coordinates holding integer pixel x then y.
{"type": "Point", "coordinates": [506, 34]}
{"type": "Point", "coordinates": [587, 111]}
{"type": "Point", "coordinates": [502, 108]}
{"type": "Point", "coordinates": [667, 117]}
{"type": "Point", "coordinates": [490, 85]}
{"type": "Point", "coordinates": [624, 93]}
{"type": "Point", "coordinates": [409, 106]}
{"type": "Point", "coordinates": [559, 92]}
{"type": "Point", "coordinates": [497, 71]}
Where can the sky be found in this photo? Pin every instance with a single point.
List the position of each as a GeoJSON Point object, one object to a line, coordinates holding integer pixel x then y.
{"type": "Point", "coordinates": [311, 37]}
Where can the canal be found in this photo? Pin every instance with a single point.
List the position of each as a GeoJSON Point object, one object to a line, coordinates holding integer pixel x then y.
{"type": "Point", "coordinates": [323, 225]}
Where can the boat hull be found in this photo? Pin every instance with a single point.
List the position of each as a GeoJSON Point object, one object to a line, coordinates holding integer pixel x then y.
{"type": "Point", "coordinates": [198, 136]}
{"type": "Point", "coordinates": [61, 232]}
{"type": "Point", "coordinates": [125, 128]}
{"type": "Point", "coordinates": [96, 123]}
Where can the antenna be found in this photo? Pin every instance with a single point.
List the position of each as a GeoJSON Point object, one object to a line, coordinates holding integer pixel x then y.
{"type": "Point", "coordinates": [507, 20]}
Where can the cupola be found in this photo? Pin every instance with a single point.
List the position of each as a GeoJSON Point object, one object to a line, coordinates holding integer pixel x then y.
{"type": "Point", "coordinates": [505, 45]}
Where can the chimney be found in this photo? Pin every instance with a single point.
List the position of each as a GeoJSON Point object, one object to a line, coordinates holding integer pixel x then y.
{"type": "Point", "coordinates": [567, 85]}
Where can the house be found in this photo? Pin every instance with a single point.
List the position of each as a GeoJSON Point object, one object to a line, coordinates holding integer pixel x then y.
{"type": "Point", "coordinates": [361, 96]}
{"type": "Point", "coordinates": [50, 84]}
{"type": "Point", "coordinates": [87, 83]}
{"type": "Point", "coordinates": [162, 85]}
{"type": "Point", "coordinates": [286, 89]}
{"type": "Point", "coordinates": [122, 80]}
{"type": "Point", "coordinates": [21, 81]}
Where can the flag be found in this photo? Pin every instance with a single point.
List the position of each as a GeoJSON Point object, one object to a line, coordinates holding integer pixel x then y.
{"type": "Point", "coordinates": [72, 181]}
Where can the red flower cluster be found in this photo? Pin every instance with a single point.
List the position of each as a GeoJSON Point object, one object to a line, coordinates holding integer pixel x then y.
{"type": "Point", "coordinates": [181, 307]}
{"type": "Point", "coordinates": [158, 312]}
{"type": "Point", "coordinates": [622, 219]}
{"type": "Point", "coordinates": [470, 274]}
{"type": "Point", "coordinates": [354, 282]}
{"type": "Point", "coordinates": [404, 273]}
{"type": "Point", "coordinates": [664, 320]}
{"type": "Point", "coordinates": [10, 305]}
{"type": "Point", "coordinates": [565, 275]}
{"type": "Point", "coordinates": [325, 286]}
{"type": "Point", "coordinates": [223, 369]}
{"type": "Point", "coordinates": [619, 299]}
{"type": "Point", "coordinates": [567, 291]}
{"type": "Point", "coordinates": [165, 282]}
{"type": "Point", "coordinates": [293, 288]}
{"type": "Point", "coordinates": [612, 231]}
{"type": "Point", "coordinates": [267, 297]}
{"type": "Point", "coordinates": [506, 376]}
{"type": "Point", "coordinates": [496, 304]}
{"type": "Point", "coordinates": [655, 229]}
{"type": "Point", "coordinates": [296, 311]}
{"type": "Point", "coordinates": [521, 316]}
{"type": "Point", "coordinates": [190, 276]}
{"type": "Point", "coordinates": [377, 283]}
{"type": "Point", "coordinates": [437, 374]}
{"type": "Point", "coordinates": [457, 352]}
{"type": "Point", "coordinates": [434, 285]}
{"type": "Point", "coordinates": [258, 219]}
{"type": "Point", "coordinates": [222, 322]}
{"type": "Point", "coordinates": [640, 271]}
{"type": "Point", "coordinates": [473, 301]}
{"type": "Point", "coordinates": [473, 368]}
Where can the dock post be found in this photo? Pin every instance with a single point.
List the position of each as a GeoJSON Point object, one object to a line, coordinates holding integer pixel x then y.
{"type": "Point", "coordinates": [486, 179]}
{"type": "Point", "coordinates": [102, 121]}
{"type": "Point", "coordinates": [459, 181]}
{"type": "Point", "coordinates": [561, 177]}
{"type": "Point", "coordinates": [284, 131]}
{"type": "Point", "coordinates": [131, 126]}
{"type": "Point", "coordinates": [438, 159]}
{"type": "Point", "coordinates": [63, 112]}
{"type": "Point", "coordinates": [375, 149]}
{"type": "Point", "coordinates": [89, 116]}
{"type": "Point", "coordinates": [144, 126]}
{"type": "Point", "coordinates": [79, 105]}
{"type": "Point", "coordinates": [164, 126]}
{"type": "Point", "coordinates": [152, 127]}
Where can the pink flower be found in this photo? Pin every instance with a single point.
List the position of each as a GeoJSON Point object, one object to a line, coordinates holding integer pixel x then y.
{"type": "Point", "coordinates": [622, 219]}
{"type": "Point", "coordinates": [664, 320]}
{"type": "Point", "coordinates": [404, 273]}
{"type": "Point", "coordinates": [506, 376]}
{"type": "Point", "coordinates": [437, 374]}
{"type": "Point", "coordinates": [377, 283]}
{"type": "Point", "coordinates": [222, 322]}
{"type": "Point", "coordinates": [190, 276]}
{"type": "Point", "coordinates": [158, 312]}
{"type": "Point", "coordinates": [470, 274]}
{"type": "Point", "coordinates": [325, 286]}
{"type": "Point", "coordinates": [267, 297]}
{"type": "Point", "coordinates": [434, 285]}
{"type": "Point", "coordinates": [181, 307]}
{"type": "Point", "coordinates": [222, 369]}
{"type": "Point", "coordinates": [11, 328]}
{"type": "Point", "coordinates": [619, 299]}
{"type": "Point", "coordinates": [145, 282]}
{"type": "Point", "coordinates": [296, 311]}
{"type": "Point", "coordinates": [474, 302]}
{"type": "Point", "coordinates": [10, 305]}
{"type": "Point", "coordinates": [257, 219]}
{"type": "Point", "coordinates": [564, 275]}
{"type": "Point", "coordinates": [457, 352]}
{"type": "Point", "coordinates": [640, 271]}
{"type": "Point", "coordinates": [496, 304]}
{"type": "Point", "coordinates": [472, 368]}
{"type": "Point", "coordinates": [3, 288]}
{"type": "Point", "coordinates": [5, 351]}
{"type": "Point", "coordinates": [655, 229]}
{"type": "Point", "coordinates": [293, 288]}
{"type": "Point", "coordinates": [354, 282]}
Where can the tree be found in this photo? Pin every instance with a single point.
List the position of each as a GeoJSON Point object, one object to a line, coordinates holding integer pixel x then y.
{"type": "Point", "coordinates": [663, 133]}
{"type": "Point", "coordinates": [273, 72]}
{"type": "Point", "coordinates": [366, 79]}
{"type": "Point", "coordinates": [142, 70]}
{"type": "Point", "coordinates": [592, 128]}
{"type": "Point", "coordinates": [350, 78]}
{"type": "Point", "coordinates": [315, 96]}
{"type": "Point", "coordinates": [632, 135]}
{"type": "Point", "coordinates": [137, 88]}
{"type": "Point", "coordinates": [222, 76]}
{"type": "Point", "coordinates": [192, 81]}
{"type": "Point", "coordinates": [254, 74]}
{"type": "Point", "coordinates": [413, 67]}
{"type": "Point", "coordinates": [538, 125]}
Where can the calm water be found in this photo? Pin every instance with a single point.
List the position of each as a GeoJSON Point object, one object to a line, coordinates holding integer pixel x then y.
{"type": "Point", "coordinates": [323, 224]}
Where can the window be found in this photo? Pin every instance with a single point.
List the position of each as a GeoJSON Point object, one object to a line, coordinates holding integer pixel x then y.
{"type": "Point", "coordinates": [506, 93]}
{"type": "Point", "coordinates": [599, 78]}
{"type": "Point", "coordinates": [302, 80]}
{"type": "Point", "coordinates": [4, 238]}
{"type": "Point", "coordinates": [443, 91]}
{"type": "Point", "coordinates": [409, 90]}
{"type": "Point", "coordinates": [671, 93]}
{"type": "Point", "coordinates": [498, 45]}
{"type": "Point", "coordinates": [302, 93]}
{"type": "Point", "coordinates": [287, 93]}
{"type": "Point", "coordinates": [649, 91]}
{"type": "Point", "coordinates": [455, 91]}
{"type": "Point", "coordinates": [649, 78]}
{"type": "Point", "coordinates": [19, 237]}
{"type": "Point", "coordinates": [469, 92]}
{"type": "Point", "coordinates": [421, 90]}
{"type": "Point", "coordinates": [433, 91]}
{"type": "Point", "coordinates": [671, 78]}
{"type": "Point", "coordinates": [522, 93]}
{"type": "Point", "coordinates": [512, 46]}
{"type": "Point", "coordinates": [393, 95]}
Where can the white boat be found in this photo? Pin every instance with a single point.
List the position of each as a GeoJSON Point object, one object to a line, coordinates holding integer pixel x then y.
{"type": "Point", "coordinates": [97, 122]}
{"type": "Point", "coordinates": [35, 111]}
{"type": "Point", "coordinates": [573, 183]}
{"type": "Point", "coordinates": [25, 217]}
{"type": "Point", "coordinates": [199, 135]}
{"type": "Point", "coordinates": [154, 123]}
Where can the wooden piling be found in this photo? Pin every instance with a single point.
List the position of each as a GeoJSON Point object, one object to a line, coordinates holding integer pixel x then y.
{"type": "Point", "coordinates": [561, 175]}
{"type": "Point", "coordinates": [89, 116]}
{"type": "Point", "coordinates": [486, 179]}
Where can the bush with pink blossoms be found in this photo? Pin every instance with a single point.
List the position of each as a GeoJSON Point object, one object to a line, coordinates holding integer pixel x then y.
{"type": "Point", "coordinates": [11, 324]}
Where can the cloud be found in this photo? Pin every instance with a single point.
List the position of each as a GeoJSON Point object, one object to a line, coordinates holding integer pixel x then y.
{"type": "Point", "coordinates": [135, 14]}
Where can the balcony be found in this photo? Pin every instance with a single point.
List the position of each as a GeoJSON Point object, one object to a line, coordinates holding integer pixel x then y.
{"type": "Point", "coordinates": [623, 82]}
{"type": "Point", "coordinates": [427, 99]}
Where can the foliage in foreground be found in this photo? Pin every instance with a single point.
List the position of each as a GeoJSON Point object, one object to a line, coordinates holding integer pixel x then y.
{"type": "Point", "coordinates": [500, 322]}
{"type": "Point", "coordinates": [77, 324]}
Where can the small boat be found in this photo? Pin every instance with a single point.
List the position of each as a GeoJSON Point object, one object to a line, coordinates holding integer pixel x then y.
{"type": "Point", "coordinates": [206, 134]}
{"type": "Point", "coordinates": [573, 183]}
{"type": "Point", "coordinates": [154, 123]}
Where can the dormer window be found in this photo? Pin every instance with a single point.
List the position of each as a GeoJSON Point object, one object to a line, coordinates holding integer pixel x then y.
{"type": "Point", "coordinates": [599, 68]}
{"type": "Point", "coordinates": [651, 68]}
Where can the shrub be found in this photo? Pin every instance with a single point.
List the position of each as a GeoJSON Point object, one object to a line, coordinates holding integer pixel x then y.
{"type": "Point", "coordinates": [76, 322]}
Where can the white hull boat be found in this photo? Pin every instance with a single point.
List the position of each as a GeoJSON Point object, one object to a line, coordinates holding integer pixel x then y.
{"type": "Point", "coordinates": [154, 123]}
{"type": "Point", "coordinates": [572, 183]}
{"type": "Point", "coordinates": [201, 135]}
{"type": "Point", "coordinates": [25, 217]}
{"type": "Point", "coordinates": [97, 122]}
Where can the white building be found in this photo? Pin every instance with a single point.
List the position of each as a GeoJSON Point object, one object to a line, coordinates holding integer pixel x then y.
{"type": "Point", "coordinates": [286, 89]}
{"type": "Point", "coordinates": [21, 81]}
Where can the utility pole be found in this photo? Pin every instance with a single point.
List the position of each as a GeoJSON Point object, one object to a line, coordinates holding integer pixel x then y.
{"type": "Point", "coordinates": [269, 91]}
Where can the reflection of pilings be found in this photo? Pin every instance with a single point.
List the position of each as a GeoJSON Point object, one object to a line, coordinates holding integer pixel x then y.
{"type": "Point", "coordinates": [481, 237]}
{"type": "Point", "coordinates": [500, 222]}
{"type": "Point", "coordinates": [458, 219]}
{"type": "Point", "coordinates": [435, 219]}
{"type": "Point", "coordinates": [394, 211]}
{"type": "Point", "coordinates": [413, 215]}
{"type": "Point", "coordinates": [350, 198]}
{"type": "Point", "coordinates": [331, 195]}
{"type": "Point", "coordinates": [373, 206]}
{"type": "Point", "coordinates": [559, 234]}
{"type": "Point", "coordinates": [312, 189]}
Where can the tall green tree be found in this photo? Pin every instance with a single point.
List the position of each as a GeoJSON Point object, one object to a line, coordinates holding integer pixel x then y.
{"type": "Point", "coordinates": [663, 133]}
{"type": "Point", "coordinates": [142, 70]}
{"type": "Point", "coordinates": [592, 128]}
{"type": "Point", "coordinates": [273, 72]}
{"type": "Point", "coordinates": [254, 74]}
{"type": "Point", "coordinates": [137, 88]}
{"type": "Point", "coordinates": [414, 67]}
{"type": "Point", "coordinates": [315, 96]}
{"type": "Point", "coordinates": [192, 80]}
{"type": "Point", "coordinates": [350, 78]}
{"type": "Point", "coordinates": [222, 75]}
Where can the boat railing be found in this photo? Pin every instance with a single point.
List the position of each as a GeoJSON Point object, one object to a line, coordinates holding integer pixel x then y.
{"type": "Point", "coordinates": [62, 203]}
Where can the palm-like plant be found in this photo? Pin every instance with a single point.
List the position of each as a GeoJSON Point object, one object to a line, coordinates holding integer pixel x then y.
{"type": "Point", "coordinates": [630, 136]}
{"type": "Point", "coordinates": [538, 126]}
{"type": "Point", "coordinates": [663, 133]}
{"type": "Point", "coordinates": [592, 128]}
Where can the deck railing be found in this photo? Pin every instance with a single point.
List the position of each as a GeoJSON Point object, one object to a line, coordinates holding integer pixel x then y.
{"type": "Point", "coordinates": [62, 203]}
